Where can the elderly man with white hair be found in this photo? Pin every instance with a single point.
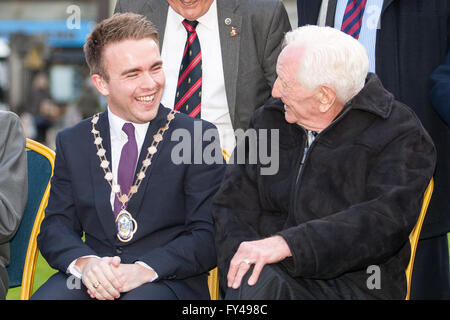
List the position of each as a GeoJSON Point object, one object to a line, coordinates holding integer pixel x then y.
{"type": "Point", "coordinates": [334, 221]}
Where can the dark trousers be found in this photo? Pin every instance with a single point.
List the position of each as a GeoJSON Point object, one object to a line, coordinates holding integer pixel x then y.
{"type": "Point", "coordinates": [275, 283]}
{"type": "Point", "coordinates": [431, 271]}
{"type": "Point", "coordinates": [62, 287]}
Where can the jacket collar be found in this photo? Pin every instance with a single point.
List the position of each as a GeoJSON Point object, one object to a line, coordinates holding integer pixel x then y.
{"type": "Point", "coordinates": [373, 98]}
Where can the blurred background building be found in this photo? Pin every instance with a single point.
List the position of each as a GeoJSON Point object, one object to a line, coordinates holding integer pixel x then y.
{"type": "Point", "coordinates": [43, 75]}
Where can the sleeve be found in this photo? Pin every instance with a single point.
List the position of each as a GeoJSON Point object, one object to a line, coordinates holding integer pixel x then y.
{"type": "Point", "coordinates": [13, 175]}
{"type": "Point", "coordinates": [192, 252]}
{"type": "Point", "coordinates": [60, 236]}
{"type": "Point", "coordinates": [375, 229]}
{"type": "Point", "coordinates": [440, 90]}
{"type": "Point", "coordinates": [279, 25]}
{"type": "Point", "coordinates": [155, 277]}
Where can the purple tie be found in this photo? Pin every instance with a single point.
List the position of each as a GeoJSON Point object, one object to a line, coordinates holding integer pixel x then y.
{"type": "Point", "coordinates": [127, 165]}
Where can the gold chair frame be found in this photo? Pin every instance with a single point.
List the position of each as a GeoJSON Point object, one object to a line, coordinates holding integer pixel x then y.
{"type": "Point", "coordinates": [415, 234]}
{"type": "Point", "coordinates": [32, 251]}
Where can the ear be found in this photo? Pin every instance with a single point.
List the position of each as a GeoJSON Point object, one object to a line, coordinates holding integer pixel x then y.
{"type": "Point", "coordinates": [327, 97]}
{"type": "Point", "coordinates": [101, 84]}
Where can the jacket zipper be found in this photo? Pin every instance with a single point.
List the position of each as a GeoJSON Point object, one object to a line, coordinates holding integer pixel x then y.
{"type": "Point", "coordinates": [300, 162]}
{"type": "Point", "coordinates": [301, 166]}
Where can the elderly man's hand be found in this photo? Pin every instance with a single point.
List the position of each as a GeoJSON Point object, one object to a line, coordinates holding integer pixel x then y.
{"type": "Point", "coordinates": [259, 253]}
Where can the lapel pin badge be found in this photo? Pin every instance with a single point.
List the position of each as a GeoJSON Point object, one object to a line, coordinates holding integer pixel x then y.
{"type": "Point", "coordinates": [233, 32]}
{"type": "Point", "coordinates": [227, 21]}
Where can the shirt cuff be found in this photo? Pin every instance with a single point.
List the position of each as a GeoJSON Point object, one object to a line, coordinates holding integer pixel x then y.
{"type": "Point", "coordinates": [148, 267]}
{"type": "Point", "coordinates": [73, 270]}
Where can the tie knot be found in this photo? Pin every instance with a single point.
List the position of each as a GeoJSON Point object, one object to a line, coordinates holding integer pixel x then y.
{"type": "Point", "coordinates": [190, 25]}
{"type": "Point", "coordinates": [128, 128]}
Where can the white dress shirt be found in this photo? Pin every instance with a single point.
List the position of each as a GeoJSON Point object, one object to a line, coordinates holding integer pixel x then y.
{"type": "Point", "coordinates": [214, 99]}
{"type": "Point", "coordinates": [118, 140]}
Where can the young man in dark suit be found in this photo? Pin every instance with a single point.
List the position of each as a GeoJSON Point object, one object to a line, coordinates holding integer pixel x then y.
{"type": "Point", "coordinates": [146, 218]}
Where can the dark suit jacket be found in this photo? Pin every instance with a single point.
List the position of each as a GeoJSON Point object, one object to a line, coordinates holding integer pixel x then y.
{"type": "Point", "coordinates": [172, 208]}
{"type": "Point", "coordinates": [412, 41]}
{"type": "Point", "coordinates": [248, 60]}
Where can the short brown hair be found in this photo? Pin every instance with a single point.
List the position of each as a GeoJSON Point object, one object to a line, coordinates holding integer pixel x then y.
{"type": "Point", "coordinates": [119, 27]}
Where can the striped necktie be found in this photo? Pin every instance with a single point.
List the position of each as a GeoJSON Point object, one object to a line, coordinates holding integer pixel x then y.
{"type": "Point", "coordinates": [352, 21]}
{"type": "Point", "coordinates": [189, 87]}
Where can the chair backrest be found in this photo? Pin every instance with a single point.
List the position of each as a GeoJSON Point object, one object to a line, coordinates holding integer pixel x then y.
{"type": "Point", "coordinates": [415, 234]}
{"type": "Point", "coordinates": [40, 160]}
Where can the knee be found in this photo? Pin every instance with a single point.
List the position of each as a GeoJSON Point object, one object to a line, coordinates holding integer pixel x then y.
{"type": "Point", "coordinates": [270, 285]}
{"type": "Point", "coordinates": [61, 287]}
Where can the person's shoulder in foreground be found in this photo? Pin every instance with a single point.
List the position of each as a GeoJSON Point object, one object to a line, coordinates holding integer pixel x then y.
{"type": "Point", "coordinates": [13, 187]}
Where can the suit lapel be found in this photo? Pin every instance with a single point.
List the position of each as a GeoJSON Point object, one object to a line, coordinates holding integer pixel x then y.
{"type": "Point", "coordinates": [102, 189]}
{"type": "Point", "coordinates": [226, 13]}
{"type": "Point", "coordinates": [160, 120]}
{"type": "Point", "coordinates": [386, 3]}
{"type": "Point", "coordinates": [157, 10]}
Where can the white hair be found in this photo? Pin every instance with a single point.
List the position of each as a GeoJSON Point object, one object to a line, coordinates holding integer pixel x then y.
{"type": "Point", "coordinates": [330, 58]}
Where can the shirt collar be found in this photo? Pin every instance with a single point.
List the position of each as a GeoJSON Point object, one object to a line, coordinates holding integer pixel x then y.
{"type": "Point", "coordinates": [116, 123]}
{"type": "Point", "coordinates": [209, 19]}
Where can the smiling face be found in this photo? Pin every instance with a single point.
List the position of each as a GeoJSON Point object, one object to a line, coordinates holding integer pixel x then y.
{"type": "Point", "coordinates": [135, 79]}
{"type": "Point", "coordinates": [190, 9]}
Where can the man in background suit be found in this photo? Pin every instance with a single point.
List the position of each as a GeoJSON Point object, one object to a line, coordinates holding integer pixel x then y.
{"type": "Point", "coordinates": [406, 40]}
{"type": "Point", "coordinates": [13, 187]}
{"type": "Point", "coordinates": [147, 223]}
{"type": "Point", "coordinates": [240, 41]}
{"type": "Point", "coordinates": [440, 90]}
